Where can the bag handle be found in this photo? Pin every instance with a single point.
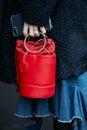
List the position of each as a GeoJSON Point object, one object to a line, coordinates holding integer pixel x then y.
{"type": "Point", "coordinates": [28, 50]}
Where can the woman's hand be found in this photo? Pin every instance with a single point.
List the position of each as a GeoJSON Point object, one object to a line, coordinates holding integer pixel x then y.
{"type": "Point", "coordinates": [32, 30]}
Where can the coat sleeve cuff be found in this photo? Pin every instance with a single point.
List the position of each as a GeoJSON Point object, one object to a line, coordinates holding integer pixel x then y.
{"type": "Point", "coordinates": [37, 12]}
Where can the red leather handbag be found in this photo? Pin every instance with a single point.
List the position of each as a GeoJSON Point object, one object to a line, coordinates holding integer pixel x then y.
{"type": "Point", "coordinates": [36, 67]}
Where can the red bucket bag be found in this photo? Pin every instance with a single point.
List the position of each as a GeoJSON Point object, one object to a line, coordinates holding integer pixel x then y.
{"type": "Point", "coordinates": [36, 67]}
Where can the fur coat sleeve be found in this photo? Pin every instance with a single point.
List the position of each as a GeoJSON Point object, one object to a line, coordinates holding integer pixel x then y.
{"type": "Point", "coordinates": [37, 12]}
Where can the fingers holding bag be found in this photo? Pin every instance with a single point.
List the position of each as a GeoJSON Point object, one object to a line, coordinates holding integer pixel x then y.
{"type": "Point", "coordinates": [32, 30]}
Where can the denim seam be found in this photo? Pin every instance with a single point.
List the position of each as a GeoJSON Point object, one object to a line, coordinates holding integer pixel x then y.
{"type": "Point", "coordinates": [46, 115]}
{"type": "Point", "coordinates": [74, 117]}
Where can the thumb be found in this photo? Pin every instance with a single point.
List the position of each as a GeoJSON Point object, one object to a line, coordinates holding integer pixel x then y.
{"type": "Point", "coordinates": [43, 30]}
